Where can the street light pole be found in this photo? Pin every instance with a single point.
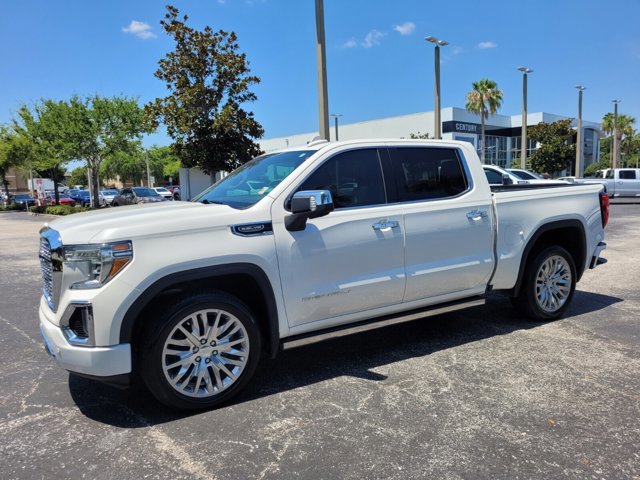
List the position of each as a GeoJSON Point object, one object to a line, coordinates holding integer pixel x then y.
{"type": "Point", "coordinates": [335, 117]}
{"type": "Point", "coordinates": [523, 141]}
{"type": "Point", "coordinates": [323, 102]}
{"type": "Point", "coordinates": [436, 110]}
{"type": "Point", "coordinates": [614, 160]}
{"type": "Point", "coordinates": [579, 141]}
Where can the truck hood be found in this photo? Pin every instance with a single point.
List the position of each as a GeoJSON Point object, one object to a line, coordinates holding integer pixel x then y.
{"type": "Point", "coordinates": [144, 220]}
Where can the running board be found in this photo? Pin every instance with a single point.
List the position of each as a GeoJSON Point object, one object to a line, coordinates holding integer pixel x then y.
{"type": "Point", "coordinates": [379, 322]}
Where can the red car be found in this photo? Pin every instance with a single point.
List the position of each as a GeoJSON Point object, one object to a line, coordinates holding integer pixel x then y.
{"type": "Point", "coordinates": [64, 200]}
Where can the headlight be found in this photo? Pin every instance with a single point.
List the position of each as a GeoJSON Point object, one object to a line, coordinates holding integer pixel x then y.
{"type": "Point", "coordinates": [91, 266]}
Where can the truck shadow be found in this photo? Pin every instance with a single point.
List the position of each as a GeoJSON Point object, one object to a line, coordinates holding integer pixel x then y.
{"type": "Point", "coordinates": [355, 356]}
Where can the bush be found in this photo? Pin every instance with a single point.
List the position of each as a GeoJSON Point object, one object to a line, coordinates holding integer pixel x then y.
{"type": "Point", "coordinates": [58, 209]}
{"type": "Point", "coordinates": [12, 206]}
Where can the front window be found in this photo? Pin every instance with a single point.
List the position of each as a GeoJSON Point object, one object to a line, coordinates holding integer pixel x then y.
{"type": "Point", "coordinates": [247, 185]}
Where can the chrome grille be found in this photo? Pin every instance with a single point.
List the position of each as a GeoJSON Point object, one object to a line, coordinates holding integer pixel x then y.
{"type": "Point", "coordinates": [47, 271]}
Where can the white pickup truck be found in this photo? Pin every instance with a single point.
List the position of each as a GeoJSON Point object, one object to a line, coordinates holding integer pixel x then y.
{"type": "Point", "coordinates": [618, 182]}
{"type": "Point", "coordinates": [298, 246]}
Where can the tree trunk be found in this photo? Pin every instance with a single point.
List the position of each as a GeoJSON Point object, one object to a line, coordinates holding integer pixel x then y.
{"type": "Point", "coordinates": [94, 169]}
{"type": "Point", "coordinates": [482, 152]}
{"type": "Point", "coordinates": [54, 177]}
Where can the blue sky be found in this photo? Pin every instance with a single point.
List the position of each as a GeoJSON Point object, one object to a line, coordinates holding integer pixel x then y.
{"type": "Point", "coordinates": [378, 63]}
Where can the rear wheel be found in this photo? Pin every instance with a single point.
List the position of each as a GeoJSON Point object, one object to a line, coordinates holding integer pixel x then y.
{"type": "Point", "coordinates": [202, 351]}
{"type": "Point", "coordinates": [548, 285]}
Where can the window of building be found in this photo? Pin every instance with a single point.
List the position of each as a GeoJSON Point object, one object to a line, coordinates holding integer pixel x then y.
{"type": "Point", "coordinates": [496, 150]}
{"type": "Point", "coordinates": [426, 173]}
{"type": "Point", "coordinates": [354, 179]}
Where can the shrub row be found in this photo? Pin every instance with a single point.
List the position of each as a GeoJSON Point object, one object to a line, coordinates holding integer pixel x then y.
{"type": "Point", "coordinates": [13, 206]}
{"type": "Point", "coordinates": [58, 209]}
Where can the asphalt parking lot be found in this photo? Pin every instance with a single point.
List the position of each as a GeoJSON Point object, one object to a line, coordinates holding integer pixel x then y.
{"type": "Point", "coordinates": [478, 394]}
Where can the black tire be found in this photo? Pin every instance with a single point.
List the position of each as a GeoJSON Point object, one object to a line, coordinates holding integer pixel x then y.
{"type": "Point", "coordinates": [200, 385]}
{"type": "Point", "coordinates": [548, 284]}
{"type": "Point", "coordinates": [115, 204]}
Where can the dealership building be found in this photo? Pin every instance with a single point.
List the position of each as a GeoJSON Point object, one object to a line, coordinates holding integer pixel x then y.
{"type": "Point", "coordinates": [503, 133]}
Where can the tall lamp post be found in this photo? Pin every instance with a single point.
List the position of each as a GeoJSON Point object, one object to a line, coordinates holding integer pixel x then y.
{"type": "Point", "coordinates": [335, 117]}
{"type": "Point", "coordinates": [523, 141]}
{"type": "Point", "coordinates": [579, 141]}
{"type": "Point", "coordinates": [323, 102]}
{"type": "Point", "coordinates": [436, 113]}
{"type": "Point", "coordinates": [614, 160]}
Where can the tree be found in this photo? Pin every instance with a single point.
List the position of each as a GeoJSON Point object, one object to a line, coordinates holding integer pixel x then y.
{"type": "Point", "coordinates": [8, 158]}
{"type": "Point", "coordinates": [78, 176]}
{"type": "Point", "coordinates": [163, 163]}
{"type": "Point", "coordinates": [630, 147]}
{"type": "Point", "coordinates": [624, 124]}
{"type": "Point", "coordinates": [418, 135]}
{"type": "Point", "coordinates": [209, 80]}
{"type": "Point", "coordinates": [555, 152]}
{"type": "Point", "coordinates": [42, 132]}
{"type": "Point", "coordinates": [485, 99]}
{"type": "Point", "coordinates": [100, 127]}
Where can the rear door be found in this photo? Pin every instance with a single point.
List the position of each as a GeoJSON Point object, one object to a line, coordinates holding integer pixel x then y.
{"type": "Point", "coordinates": [448, 222]}
{"type": "Point", "coordinates": [627, 183]}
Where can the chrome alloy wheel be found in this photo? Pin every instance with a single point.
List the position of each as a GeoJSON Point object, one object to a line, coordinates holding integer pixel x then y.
{"type": "Point", "coordinates": [205, 353]}
{"type": "Point", "coordinates": [553, 283]}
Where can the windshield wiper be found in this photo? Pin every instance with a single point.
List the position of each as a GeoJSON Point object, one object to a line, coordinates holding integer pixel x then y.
{"type": "Point", "coordinates": [213, 202]}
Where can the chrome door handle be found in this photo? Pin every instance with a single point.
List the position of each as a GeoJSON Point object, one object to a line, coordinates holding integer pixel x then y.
{"type": "Point", "coordinates": [385, 225]}
{"type": "Point", "coordinates": [477, 214]}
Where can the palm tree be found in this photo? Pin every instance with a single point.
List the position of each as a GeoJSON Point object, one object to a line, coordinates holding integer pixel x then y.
{"type": "Point", "coordinates": [625, 126]}
{"type": "Point", "coordinates": [485, 99]}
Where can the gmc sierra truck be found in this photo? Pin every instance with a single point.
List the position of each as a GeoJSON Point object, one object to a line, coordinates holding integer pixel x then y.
{"type": "Point", "coordinates": [302, 245]}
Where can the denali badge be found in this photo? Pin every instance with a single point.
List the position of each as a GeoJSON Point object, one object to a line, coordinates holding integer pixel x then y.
{"type": "Point", "coordinates": [252, 229]}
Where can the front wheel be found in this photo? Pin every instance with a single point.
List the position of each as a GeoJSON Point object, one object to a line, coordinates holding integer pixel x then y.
{"type": "Point", "coordinates": [202, 351]}
{"type": "Point", "coordinates": [548, 285]}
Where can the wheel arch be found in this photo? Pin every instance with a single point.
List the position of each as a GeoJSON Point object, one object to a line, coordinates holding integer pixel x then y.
{"type": "Point", "coordinates": [568, 234]}
{"type": "Point", "coordinates": [245, 281]}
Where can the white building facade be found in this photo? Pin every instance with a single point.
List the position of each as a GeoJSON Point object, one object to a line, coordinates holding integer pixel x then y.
{"type": "Point", "coordinates": [503, 133]}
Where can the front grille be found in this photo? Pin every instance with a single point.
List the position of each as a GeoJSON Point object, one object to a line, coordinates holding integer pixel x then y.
{"type": "Point", "coordinates": [47, 271]}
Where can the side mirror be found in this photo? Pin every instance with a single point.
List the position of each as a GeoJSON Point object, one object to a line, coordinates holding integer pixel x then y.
{"type": "Point", "coordinates": [506, 179]}
{"type": "Point", "coordinates": [308, 204]}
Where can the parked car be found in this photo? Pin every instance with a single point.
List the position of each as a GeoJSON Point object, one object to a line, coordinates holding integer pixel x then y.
{"type": "Point", "coordinates": [163, 192]}
{"type": "Point", "coordinates": [501, 176]}
{"type": "Point", "coordinates": [64, 199]}
{"type": "Point", "coordinates": [83, 197]}
{"type": "Point", "coordinates": [132, 196]}
{"type": "Point", "coordinates": [300, 246]}
{"type": "Point", "coordinates": [109, 195]}
{"type": "Point", "coordinates": [24, 199]}
{"type": "Point", "coordinates": [525, 174]}
{"type": "Point", "coordinates": [175, 190]}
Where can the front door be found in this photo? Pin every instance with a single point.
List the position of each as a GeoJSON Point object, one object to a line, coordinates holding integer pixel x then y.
{"type": "Point", "coordinates": [351, 260]}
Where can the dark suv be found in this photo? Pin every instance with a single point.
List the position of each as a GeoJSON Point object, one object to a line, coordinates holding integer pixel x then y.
{"type": "Point", "coordinates": [132, 196]}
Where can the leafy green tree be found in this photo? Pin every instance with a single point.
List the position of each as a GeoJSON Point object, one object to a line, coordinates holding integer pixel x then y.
{"type": "Point", "coordinates": [591, 170]}
{"type": "Point", "coordinates": [418, 135]}
{"type": "Point", "coordinates": [485, 99]}
{"type": "Point", "coordinates": [100, 127]}
{"type": "Point", "coordinates": [42, 132]}
{"type": "Point", "coordinates": [209, 80]}
{"type": "Point", "coordinates": [625, 124]}
{"type": "Point", "coordinates": [8, 158]}
{"type": "Point", "coordinates": [163, 163]}
{"type": "Point", "coordinates": [630, 147]}
{"type": "Point", "coordinates": [127, 165]}
{"type": "Point", "coordinates": [555, 152]}
{"type": "Point", "coordinates": [78, 176]}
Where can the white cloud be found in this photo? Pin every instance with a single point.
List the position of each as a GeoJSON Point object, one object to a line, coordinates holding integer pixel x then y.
{"type": "Point", "coordinates": [139, 29]}
{"type": "Point", "coordinates": [456, 50]}
{"type": "Point", "coordinates": [351, 43]}
{"type": "Point", "coordinates": [487, 44]}
{"type": "Point", "coordinates": [372, 38]}
{"type": "Point", "coordinates": [405, 28]}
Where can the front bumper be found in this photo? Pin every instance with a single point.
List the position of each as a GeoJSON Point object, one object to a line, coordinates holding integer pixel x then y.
{"type": "Point", "coordinates": [94, 361]}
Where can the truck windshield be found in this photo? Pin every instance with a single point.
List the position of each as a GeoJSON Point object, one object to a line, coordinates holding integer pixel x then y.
{"type": "Point", "coordinates": [248, 184]}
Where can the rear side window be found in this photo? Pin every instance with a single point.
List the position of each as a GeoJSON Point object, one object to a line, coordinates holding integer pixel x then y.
{"type": "Point", "coordinates": [493, 177]}
{"type": "Point", "coordinates": [627, 174]}
{"type": "Point", "coordinates": [354, 179]}
{"type": "Point", "coordinates": [427, 173]}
